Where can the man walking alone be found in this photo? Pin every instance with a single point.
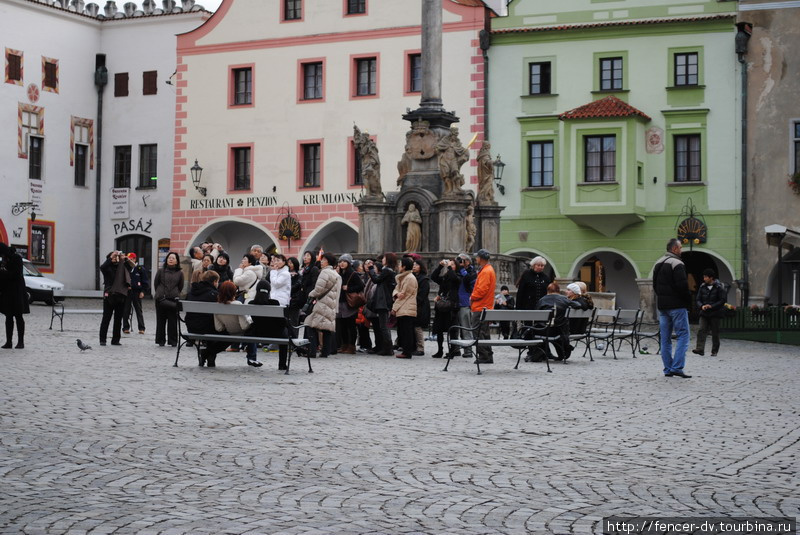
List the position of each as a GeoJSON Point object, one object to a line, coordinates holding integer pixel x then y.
{"type": "Point", "coordinates": [671, 287]}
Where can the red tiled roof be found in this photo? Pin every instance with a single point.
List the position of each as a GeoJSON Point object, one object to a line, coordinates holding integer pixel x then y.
{"type": "Point", "coordinates": [605, 24]}
{"type": "Point", "coordinates": [609, 106]}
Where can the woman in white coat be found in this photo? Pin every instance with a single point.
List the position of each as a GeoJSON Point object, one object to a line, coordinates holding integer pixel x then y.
{"type": "Point", "coordinates": [280, 280]}
{"type": "Point", "coordinates": [326, 297]}
{"type": "Point", "coordinates": [247, 276]}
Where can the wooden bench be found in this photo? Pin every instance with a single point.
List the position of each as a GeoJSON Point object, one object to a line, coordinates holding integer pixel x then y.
{"type": "Point", "coordinates": [58, 310]}
{"type": "Point", "coordinates": [261, 311]}
{"type": "Point", "coordinates": [539, 321]}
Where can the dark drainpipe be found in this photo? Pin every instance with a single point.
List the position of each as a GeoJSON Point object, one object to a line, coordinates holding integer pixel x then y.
{"type": "Point", "coordinates": [742, 38]}
{"type": "Point", "coordinates": [100, 82]}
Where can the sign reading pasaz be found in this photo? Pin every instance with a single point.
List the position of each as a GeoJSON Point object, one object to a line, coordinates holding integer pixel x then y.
{"type": "Point", "coordinates": [257, 201]}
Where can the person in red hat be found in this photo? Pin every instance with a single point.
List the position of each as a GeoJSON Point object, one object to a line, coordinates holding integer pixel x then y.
{"type": "Point", "coordinates": [140, 285]}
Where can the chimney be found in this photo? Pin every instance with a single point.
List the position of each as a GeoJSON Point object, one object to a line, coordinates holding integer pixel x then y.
{"type": "Point", "coordinates": [111, 8]}
{"type": "Point", "coordinates": [169, 5]}
{"type": "Point", "coordinates": [148, 6]}
{"type": "Point", "coordinates": [187, 4]}
{"type": "Point", "coordinates": [129, 8]}
{"type": "Point", "coordinates": [92, 9]}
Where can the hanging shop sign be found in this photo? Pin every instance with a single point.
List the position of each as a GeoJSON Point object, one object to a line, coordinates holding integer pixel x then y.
{"type": "Point", "coordinates": [119, 203]}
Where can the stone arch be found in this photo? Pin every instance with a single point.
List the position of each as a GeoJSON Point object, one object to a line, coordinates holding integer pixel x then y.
{"type": "Point", "coordinates": [337, 235]}
{"type": "Point", "coordinates": [235, 234]}
{"type": "Point", "coordinates": [614, 269]}
{"type": "Point", "coordinates": [790, 289]}
{"type": "Point", "coordinates": [424, 201]}
{"type": "Point", "coordinates": [529, 254]}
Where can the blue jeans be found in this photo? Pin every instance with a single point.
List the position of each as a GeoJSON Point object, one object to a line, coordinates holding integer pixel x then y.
{"type": "Point", "coordinates": [677, 320]}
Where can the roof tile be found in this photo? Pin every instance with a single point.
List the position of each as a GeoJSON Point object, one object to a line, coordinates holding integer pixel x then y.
{"type": "Point", "coordinates": [609, 106]}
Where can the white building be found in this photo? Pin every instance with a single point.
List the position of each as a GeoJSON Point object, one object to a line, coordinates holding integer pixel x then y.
{"type": "Point", "coordinates": [268, 94]}
{"type": "Point", "coordinates": [56, 136]}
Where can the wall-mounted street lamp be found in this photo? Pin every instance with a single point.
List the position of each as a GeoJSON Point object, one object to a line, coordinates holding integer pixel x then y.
{"type": "Point", "coordinates": [21, 207]}
{"type": "Point", "coordinates": [498, 174]}
{"type": "Point", "coordinates": [197, 173]}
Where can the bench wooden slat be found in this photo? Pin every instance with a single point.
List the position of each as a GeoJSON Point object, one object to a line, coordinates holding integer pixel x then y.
{"type": "Point", "coordinates": [250, 339]}
{"type": "Point", "coordinates": [78, 293]}
{"type": "Point", "coordinates": [261, 311]}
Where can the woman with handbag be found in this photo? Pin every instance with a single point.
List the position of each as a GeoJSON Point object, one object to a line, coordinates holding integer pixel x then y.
{"type": "Point", "coordinates": [351, 298]}
{"type": "Point", "coordinates": [168, 285]}
{"type": "Point", "coordinates": [325, 298]}
{"type": "Point", "coordinates": [446, 301]}
{"type": "Point", "coordinates": [405, 308]}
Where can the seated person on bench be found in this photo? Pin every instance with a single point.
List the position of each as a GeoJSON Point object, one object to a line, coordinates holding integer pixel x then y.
{"type": "Point", "coordinates": [269, 327]}
{"type": "Point", "coordinates": [575, 294]}
{"type": "Point", "coordinates": [234, 324]}
{"type": "Point", "coordinates": [559, 304]}
{"type": "Point", "coordinates": [205, 290]}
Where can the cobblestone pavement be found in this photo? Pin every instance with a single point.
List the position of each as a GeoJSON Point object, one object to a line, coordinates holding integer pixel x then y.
{"type": "Point", "coordinates": [116, 440]}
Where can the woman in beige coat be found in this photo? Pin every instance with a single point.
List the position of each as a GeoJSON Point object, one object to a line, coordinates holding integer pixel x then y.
{"type": "Point", "coordinates": [405, 308]}
{"type": "Point", "coordinates": [326, 297]}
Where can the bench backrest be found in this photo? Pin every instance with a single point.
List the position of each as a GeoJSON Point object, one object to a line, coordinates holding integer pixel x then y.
{"type": "Point", "coordinates": [578, 314]}
{"type": "Point", "coordinates": [261, 311]}
{"type": "Point", "coordinates": [516, 315]}
{"type": "Point", "coordinates": [627, 317]}
{"type": "Point", "coordinates": [78, 293]}
{"type": "Point", "coordinates": [606, 316]}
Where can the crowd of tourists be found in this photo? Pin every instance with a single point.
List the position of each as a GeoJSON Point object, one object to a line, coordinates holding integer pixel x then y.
{"type": "Point", "coordinates": [350, 306]}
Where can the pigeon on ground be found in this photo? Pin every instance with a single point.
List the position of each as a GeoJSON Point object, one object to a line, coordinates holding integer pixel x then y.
{"type": "Point", "coordinates": [83, 347]}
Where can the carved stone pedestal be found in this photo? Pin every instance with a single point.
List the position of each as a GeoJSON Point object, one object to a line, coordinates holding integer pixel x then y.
{"type": "Point", "coordinates": [487, 219]}
{"type": "Point", "coordinates": [452, 212]}
{"type": "Point", "coordinates": [374, 223]}
{"type": "Point", "coordinates": [647, 300]}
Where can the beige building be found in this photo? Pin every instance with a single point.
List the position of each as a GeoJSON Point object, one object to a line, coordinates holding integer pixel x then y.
{"type": "Point", "coordinates": [773, 150]}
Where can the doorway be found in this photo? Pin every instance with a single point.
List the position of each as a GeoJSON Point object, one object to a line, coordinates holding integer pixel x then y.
{"type": "Point", "coordinates": [142, 246]}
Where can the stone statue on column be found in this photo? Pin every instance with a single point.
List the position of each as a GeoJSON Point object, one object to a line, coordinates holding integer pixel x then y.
{"type": "Point", "coordinates": [471, 229]}
{"type": "Point", "coordinates": [485, 175]}
{"type": "Point", "coordinates": [370, 162]}
{"type": "Point", "coordinates": [413, 222]}
{"type": "Point", "coordinates": [452, 155]}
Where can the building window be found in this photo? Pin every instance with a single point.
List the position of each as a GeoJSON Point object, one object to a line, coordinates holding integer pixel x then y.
{"type": "Point", "coordinates": [241, 168]}
{"type": "Point", "coordinates": [610, 74]}
{"type": "Point", "coordinates": [312, 81]}
{"type": "Point", "coordinates": [41, 245]}
{"type": "Point", "coordinates": [31, 119]}
{"type": "Point", "coordinates": [601, 158]}
{"type": "Point", "coordinates": [121, 84]}
{"type": "Point", "coordinates": [149, 79]}
{"type": "Point", "coordinates": [35, 151]}
{"type": "Point", "coordinates": [366, 76]}
{"type": "Point", "coordinates": [540, 78]}
{"type": "Point", "coordinates": [243, 86]}
{"type": "Point", "coordinates": [81, 161]}
{"type": "Point", "coordinates": [356, 7]}
{"type": "Point", "coordinates": [292, 9]}
{"type": "Point", "coordinates": [541, 162]}
{"type": "Point", "coordinates": [13, 66]}
{"type": "Point", "coordinates": [797, 147]}
{"type": "Point", "coordinates": [311, 165]}
{"type": "Point", "coordinates": [50, 75]}
{"type": "Point", "coordinates": [82, 133]}
{"type": "Point", "coordinates": [687, 158]}
{"type": "Point", "coordinates": [686, 69]}
{"type": "Point", "coordinates": [122, 166]}
{"type": "Point", "coordinates": [415, 73]}
{"type": "Point", "coordinates": [148, 166]}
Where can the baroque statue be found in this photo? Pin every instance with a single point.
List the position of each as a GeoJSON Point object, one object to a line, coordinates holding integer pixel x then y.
{"type": "Point", "coordinates": [485, 175]}
{"type": "Point", "coordinates": [413, 220]}
{"type": "Point", "coordinates": [471, 229]}
{"type": "Point", "coordinates": [370, 162]}
{"type": "Point", "coordinates": [452, 155]}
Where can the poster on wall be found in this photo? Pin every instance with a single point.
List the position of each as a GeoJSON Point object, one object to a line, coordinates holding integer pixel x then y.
{"type": "Point", "coordinates": [119, 203]}
{"type": "Point", "coordinates": [163, 250]}
{"type": "Point", "coordinates": [35, 194]}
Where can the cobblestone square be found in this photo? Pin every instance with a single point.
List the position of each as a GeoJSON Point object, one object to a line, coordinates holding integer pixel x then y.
{"type": "Point", "coordinates": [117, 440]}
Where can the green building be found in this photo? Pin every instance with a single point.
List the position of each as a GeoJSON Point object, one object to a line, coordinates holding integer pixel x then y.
{"type": "Point", "coordinates": [619, 124]}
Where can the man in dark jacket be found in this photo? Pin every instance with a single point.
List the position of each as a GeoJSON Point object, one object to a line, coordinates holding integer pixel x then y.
{"type": "Point", "coordinates": [116, 285]}
{"type": "Point", "coordinates": [140, 285]}
{"type": "Point", "coordinates": [559, 332]}
{"type": "Point", "coordinates": [671, 287]}
{"type": "Point", "coordinates": [711, 297]}
{"type": "Point", "coordinates": [467, 275]}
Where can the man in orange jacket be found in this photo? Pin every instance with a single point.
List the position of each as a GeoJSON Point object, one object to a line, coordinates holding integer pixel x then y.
{"type": "Point", "coordinates": [483, 297]}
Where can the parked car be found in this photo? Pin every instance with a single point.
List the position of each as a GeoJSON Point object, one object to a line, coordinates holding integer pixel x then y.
{"type": "Point", "coordinates": [37, 286]}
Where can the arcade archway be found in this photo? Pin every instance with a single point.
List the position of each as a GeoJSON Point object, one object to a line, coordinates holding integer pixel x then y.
{"type": "Point", "coordinates": [335, 237]}
{"type": "Point", "coordinates": [235, 235]}
{"type": "Point", "coordinates": [609, 272]}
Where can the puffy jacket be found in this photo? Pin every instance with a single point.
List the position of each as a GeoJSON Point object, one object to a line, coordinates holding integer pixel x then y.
{"type": "Point", "coordinates": [281, 282]}
{"type": "Point", "coordinates": [326, 291]}
{"type": "Point", "coordinates": [714, 295]}
{"type": "Point", "coordinates": [232, 323]}
{"type": "Point", "coordinates": [483, 293]}
{"type": "Point", "coordinates": [406, 285]}
{"type": "Point", "coordinates": [246, 279]}
{"type": "Point", "coordinates": [670, 283]}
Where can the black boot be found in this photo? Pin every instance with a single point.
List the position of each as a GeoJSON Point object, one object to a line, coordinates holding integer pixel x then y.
{"type": "Point", "coordinates": [20, 333]}
{"type": "Point", "coordinates": [9, 334]}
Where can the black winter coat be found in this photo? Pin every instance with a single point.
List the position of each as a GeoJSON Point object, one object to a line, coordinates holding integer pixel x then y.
{"type": "Point", "coordinates": [201, 323]}
{"type": "Point", "coordinates": [352, 280]}
{"type": "Point", "coordinates": [225, 272]}
{"type": "Point", "coordinates": [384, 285]}
{"type": "Point", "coordinates": [13, 298]}
{"type": "Point", "coordinates": [140, 280]}
{"type": "Point", "coordinates": [714, 296]}
{"type": "Point", "coordinates": [531, 287]}
{"type": "Point", "coordinates": [296, 297]}
{"type": "Point", "coordinates": [423, 302]}
{"type": "Point", "coordinates": [309, 277]}
{"type": "Point", "coordinates": [671, 283]}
